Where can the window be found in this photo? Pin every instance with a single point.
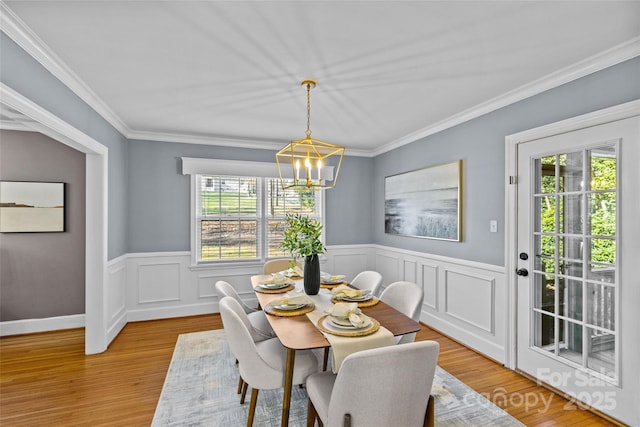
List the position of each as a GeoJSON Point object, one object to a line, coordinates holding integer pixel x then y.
{"type": "Point", "coordinates": [242, 217]}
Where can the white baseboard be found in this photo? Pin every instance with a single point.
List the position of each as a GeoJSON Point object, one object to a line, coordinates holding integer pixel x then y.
{"type": "Point", "coordinates": [464, 336]}
{"type": "Point", "coordinates": [29, 326]}
{"type": "Point", "coordinates": [116, 327]}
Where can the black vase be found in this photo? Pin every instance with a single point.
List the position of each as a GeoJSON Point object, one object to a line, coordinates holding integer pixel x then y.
{"type": "Point", "coordinates": [312, 274]}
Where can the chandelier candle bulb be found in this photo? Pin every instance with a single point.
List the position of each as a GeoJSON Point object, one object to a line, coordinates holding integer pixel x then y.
{"type": "Point", "coordinates": [319, 171]}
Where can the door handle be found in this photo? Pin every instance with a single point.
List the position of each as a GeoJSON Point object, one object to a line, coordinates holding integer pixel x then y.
{"type": "Point", "coordinates": [522, 272]}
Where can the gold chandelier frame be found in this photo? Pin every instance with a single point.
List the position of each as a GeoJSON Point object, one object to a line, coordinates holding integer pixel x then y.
{"type": "Point", "coordinates": [309, 157]}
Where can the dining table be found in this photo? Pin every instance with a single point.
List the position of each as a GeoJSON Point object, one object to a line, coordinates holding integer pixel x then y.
{"type": "Point", "coordinates": [298, 332]}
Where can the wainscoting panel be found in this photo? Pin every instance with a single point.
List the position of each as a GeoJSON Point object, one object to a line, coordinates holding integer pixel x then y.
{"type": "Point", "coordinates": [409, 270]}
{"type": "Point", "coordinates": [207, 286]}
{"type": "Point", "coordinates": [388, 265]}
{"type": "Point", "coordinates": [241, 282]}
{"type": "Point", "coordinates": [470, 299]}
{"type": "Point", "coordinates": [348, 260]}
{"type": "Point", "coordinates": [430, 284]}
{"type": "Point", "coordinates": [116, 296]}
{"type": "Point", "coordinates": [166, 285]}
{"type": "Point", "coordinates": [158, 282]}
{"type": "Point", "coordinates": [462, 299]}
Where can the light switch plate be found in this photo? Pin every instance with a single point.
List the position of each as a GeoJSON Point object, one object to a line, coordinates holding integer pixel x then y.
{"type": "Point", "coordinates": [493, 226]}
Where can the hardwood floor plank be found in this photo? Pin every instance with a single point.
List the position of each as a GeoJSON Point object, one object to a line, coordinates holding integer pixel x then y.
{"type": "Point", "coordinates": [46, 379]}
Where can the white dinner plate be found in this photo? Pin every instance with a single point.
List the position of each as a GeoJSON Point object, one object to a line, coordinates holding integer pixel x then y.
{"type": "Point", "coordinates": [340, 321]}
{"type": "Point", "coordinates": [329, 324]}
{"type": "Point", "coordinates": [332, 321]}
{"type": "Point", "coordinates": [291, 274]}
{"type": "Point", "coordinates": [288, 307]}
{"type": "Point", "coordinates": [361, 298]}
{"type": "Point", "coordinates": [334, 280]}
{"type": "Point", "coordinates": [274, 285]}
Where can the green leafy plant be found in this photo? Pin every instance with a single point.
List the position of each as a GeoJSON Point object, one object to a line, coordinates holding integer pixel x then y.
{"type": "Point", "coordinates": [302, 236]}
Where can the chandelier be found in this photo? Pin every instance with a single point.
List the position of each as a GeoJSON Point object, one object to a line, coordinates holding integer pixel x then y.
{"type": "Point", "coordinates": [308, 163]}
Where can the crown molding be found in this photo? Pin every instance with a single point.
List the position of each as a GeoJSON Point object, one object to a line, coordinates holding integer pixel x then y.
{"type": "Point", "coordinates": [218, 141]}
{"type": "Point", "coordinates": [11, 125]}
{"type": "Point", "coordinates": [608, 58]}
{"type": "Point", "coordinates": [204, 140]}
{"type": "Point", "coordinates": [20, 33]}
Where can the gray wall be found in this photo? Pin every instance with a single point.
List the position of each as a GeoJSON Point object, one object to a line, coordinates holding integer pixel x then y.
{"type": "Point", "coordinates": [43, 274]}
{"type": "Point", "coordinates": [25, 75]}
{"type": "Point", "coordinates": [480, 143]}
{"type": "Point", "coordinates": [349, 212]}
{"type": "Point", "coordinates": [159, 204]}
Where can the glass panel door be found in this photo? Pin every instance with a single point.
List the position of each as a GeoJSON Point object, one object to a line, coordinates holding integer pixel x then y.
{"type": "Point", "coordinates": [574, 211]}
{"type": "Point", "coordinates": [578, 246]}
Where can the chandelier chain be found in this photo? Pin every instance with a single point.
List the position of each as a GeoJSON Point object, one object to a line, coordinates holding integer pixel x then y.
{"type": "Point", "coordinates": [308, 110]}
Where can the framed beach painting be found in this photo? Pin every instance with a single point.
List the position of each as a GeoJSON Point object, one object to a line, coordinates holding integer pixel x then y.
{"type": "Point", "coordinates": [425, 202]}
{"type": "Point", "coordinates": [28, 207]}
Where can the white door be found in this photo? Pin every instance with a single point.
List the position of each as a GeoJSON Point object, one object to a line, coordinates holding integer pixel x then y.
{"type": "Point", "coordinates": [578, 286]}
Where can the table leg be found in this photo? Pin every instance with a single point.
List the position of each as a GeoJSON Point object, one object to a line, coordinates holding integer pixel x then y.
{"type": "Point", "coordinates": [325, 360]}
{"type": "Point", "coordinates": [288, 383]}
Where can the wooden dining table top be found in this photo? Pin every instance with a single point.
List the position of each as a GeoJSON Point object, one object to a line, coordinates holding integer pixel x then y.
{"type": "Point", "coordinates": [299, 333]}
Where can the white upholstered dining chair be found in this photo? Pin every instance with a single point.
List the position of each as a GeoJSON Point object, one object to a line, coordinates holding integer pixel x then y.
{"type": "Point", "coordinates": [262, 364]}
{"type": "Point", "coordinates": [370, 389]}
{"type": "Point", "coordinates": [406, 297]}
{"type": "Point", "coordinates": [368, 281]}
{"type": "Point", "coordinates": [256, 335]}
{"type": "Point", "coordinates": [276, 265]}
{"type": "Point", "coordinates": [257, 317]}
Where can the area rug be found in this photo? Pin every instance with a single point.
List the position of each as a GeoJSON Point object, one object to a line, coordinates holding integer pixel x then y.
{"type": "Point", "coordinates": [201, 384]}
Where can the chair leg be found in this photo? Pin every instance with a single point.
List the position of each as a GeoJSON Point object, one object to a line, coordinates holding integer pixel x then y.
{"type": "Point", "coordinates": [347, 420]}
{"type": "Point", "coordinates": [252, 406]}
{"type": "Point", "coordinates": [244, 392]}
{"type": "Point", "coordinates": [240, 384]}
{"type": "Point", "coordinates": [429, 417]}
{"type": "Point", "coordinates": [311, 415]}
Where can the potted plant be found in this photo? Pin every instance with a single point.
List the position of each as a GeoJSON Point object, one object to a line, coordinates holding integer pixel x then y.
{"type": "Point", "coordinates": [302, 240]}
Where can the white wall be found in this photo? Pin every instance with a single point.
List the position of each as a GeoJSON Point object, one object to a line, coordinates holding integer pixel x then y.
{"type": "Point", "coordinates": [465, 300]}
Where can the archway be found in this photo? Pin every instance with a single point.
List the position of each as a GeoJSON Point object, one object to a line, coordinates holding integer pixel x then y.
{"type": "Point", "coordinates": [35, 118]}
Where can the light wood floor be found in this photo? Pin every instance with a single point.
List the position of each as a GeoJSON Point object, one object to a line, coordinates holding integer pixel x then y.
{"type": "Point", "coordinates": [46, 380]}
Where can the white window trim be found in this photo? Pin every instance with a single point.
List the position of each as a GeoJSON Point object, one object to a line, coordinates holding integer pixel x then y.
{"type": "Point", "coordinates": [201, 166]}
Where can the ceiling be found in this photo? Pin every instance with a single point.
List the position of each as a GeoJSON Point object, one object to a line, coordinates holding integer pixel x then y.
{"type": "Point", "coordinates": [229, 72]}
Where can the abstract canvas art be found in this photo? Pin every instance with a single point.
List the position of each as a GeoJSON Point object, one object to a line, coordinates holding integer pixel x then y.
{"type": "Point", "coordinates": [31, 206]}
{"type": "Point", "coordinates": [425, 203]}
